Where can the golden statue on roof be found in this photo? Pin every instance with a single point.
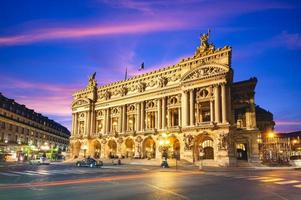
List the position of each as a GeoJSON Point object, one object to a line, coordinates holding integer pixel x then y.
{"type": "Point", "coordinates": [204, 47]}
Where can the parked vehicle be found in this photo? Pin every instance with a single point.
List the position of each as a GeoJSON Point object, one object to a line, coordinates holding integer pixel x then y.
{"type": "Point", "coordinates": [89, 162]}
{"type": "Point", "coordinates": [40, 161]}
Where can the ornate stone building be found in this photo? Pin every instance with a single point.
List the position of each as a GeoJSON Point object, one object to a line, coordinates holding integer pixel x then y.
{"type": "Point", "coordinates": [194, 106]}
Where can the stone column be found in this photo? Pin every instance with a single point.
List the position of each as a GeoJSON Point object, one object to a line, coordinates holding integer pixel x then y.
{"type": "Point", "coordinates": [179, 116]}
{"type": "Point", "coordinates": [120, 120]}
{"type": "Point", "coordinates": [229, 109]}
{"type": "Point", "coordinates": [107, 120]}
{"type": "Point", "coordinates": [252, 115]}
{"type": "Point", "coordinates": [197, 113]}
{"type": "Point", "coordinates": [163, 112]}
{"type": "Point", "coordinates": [169, 117]}
{"type": "Point", "coordinates": [92, 122]}
{"type": "Point", "coordinates": [211, 111]}
{"type": "Point", "coordinates": [73, 124]}
{"type": "Point", "coordinates": [138, 120]}
{"type": "Point", "coordinates": [142, 126]}
{"type": "Point", "coordinates": [185, 110]}
{"type": "Point", "coordinates": [217, 104]}
{"type": "Point", "coordinates": [159, 108]}
{"type": "Point", "coordinates": [123, 118]}
{"type": "Point", "coordinates": [192, 115]}
{"type": "Point", "coordinates": [88, 122]}
{"type": "Point", "coordinates": [76, 124]}
{"type": "Point", "coordinates": [156, 119]}
{"type": "Point", "coordinates": [224, 104]}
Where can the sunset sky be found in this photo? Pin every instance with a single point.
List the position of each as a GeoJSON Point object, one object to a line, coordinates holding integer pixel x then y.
{"type": "Point", "coordinates": [49, 48]}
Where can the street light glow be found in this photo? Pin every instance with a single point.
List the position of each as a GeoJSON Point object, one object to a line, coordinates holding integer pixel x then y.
{"type": "Point", "coordinates": [271, 135]}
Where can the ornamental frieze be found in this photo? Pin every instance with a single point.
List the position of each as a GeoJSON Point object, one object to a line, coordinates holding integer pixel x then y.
{"type": "Point", "coordinates": [141, 87]}
{"type": "Point", "coordinates": [162, 81]}
{"type": "Point", "coordinates": [204, 72]}
{"type": "Point", "coordinates": [123, 91]}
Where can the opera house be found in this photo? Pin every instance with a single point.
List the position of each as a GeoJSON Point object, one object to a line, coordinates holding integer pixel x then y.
{"type": "Point", "coordinates": [192, 110]}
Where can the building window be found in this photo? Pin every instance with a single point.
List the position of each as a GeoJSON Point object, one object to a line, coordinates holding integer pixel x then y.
{"type": "Point", "coordinates": [99, 126]}
{"type": "Point", "coordinates": [174, 117]}
{"type": "Point", "coordinates": [131, 123]}
{"type": "Point", "coordinates": [3, 125]}
{"type": "Point", "coordinates": [151, 120]}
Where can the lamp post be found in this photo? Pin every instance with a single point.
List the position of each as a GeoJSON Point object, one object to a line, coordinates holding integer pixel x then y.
{"type": "Point", "coordinates": [270, 141]}
{"type": "Point", "coordinates": [164, 146]}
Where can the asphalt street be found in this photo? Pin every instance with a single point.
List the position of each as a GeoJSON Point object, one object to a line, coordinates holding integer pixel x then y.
{"type": "Point", "coordinates": [65, 181]}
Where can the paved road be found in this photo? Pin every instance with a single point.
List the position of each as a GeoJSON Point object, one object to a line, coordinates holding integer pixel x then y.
{"type": "Point", "coordinates": [144, 182]}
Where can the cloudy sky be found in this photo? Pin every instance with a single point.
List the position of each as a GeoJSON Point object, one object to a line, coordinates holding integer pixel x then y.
{"type": "Point", "coordinates": [49, 48]}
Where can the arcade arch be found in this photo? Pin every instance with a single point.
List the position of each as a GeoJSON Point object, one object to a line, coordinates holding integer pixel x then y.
{"type": "Point", "coordinates": [149, 148]}
{"type": "Point", "coordinates": [112, 148]}
{"type": "Point", "coordinates": [203, 148]}
{"type": "Point", "coordinates": [129, 148]}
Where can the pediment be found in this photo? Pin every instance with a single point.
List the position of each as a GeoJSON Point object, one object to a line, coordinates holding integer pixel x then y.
{"type": "Point", "coordinates": [205, 71]}
{"type": "Point", "coordinates": [81, 102]}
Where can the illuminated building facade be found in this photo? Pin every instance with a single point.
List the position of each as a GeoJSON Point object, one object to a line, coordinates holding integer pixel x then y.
{"type": "Point", "coordinates": [195, 104]}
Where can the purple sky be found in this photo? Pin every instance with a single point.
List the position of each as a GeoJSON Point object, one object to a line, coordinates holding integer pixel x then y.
{"type": "Point", "coordinates": [48, 49]}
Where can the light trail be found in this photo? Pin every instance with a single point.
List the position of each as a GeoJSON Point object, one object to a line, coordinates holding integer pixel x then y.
{"type": "Point", "coordinates": [93, 180]}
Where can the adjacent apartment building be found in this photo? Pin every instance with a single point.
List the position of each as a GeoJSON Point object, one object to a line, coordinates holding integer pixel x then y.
{"type": "Point", "coordinates": [21, 127]}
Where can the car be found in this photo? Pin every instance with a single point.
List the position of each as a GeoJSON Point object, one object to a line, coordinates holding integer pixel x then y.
{"type": "Point", "coordinates": [40, 161]}
{"type": "Point", "coordinates": [89, 162]}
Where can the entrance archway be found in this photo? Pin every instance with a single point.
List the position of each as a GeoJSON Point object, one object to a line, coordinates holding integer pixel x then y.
{"type": "Point", "coordinates": [97, 149]}
{"type": "Point", "coordinates": [149, 148]}
{"type": "Point", "coordinates": [175, 147]}
{"type": "Point", "coordinates": [129, 148]}
{"type": "Point", "coordinates": [203, 148]}
{"type": "Point", "coordinates": [241, 151]}
{"type": "Point", "coordinates": [76, 149]}
{"type": "Point", "coordinates": [112, 149]}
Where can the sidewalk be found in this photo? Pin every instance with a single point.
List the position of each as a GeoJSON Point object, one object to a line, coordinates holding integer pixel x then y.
{"type": "Point", "coordinates": [228, 169]}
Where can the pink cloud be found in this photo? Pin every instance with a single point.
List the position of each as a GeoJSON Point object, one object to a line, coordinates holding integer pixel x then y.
{"type": "Point", "coordinates": [46, 98]}
{"type": "Point", "coordinates": [96, 30]}
{"type": "Point", "coordinates": [285, 126]}
{"type": "Point", "coordinates": [157, 16]}
{"type": "Point", "coordinates": [292, 123]}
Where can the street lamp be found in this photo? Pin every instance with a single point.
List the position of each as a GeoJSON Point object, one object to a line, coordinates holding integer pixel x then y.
{"type": "Point", "coordinates": [271, 135]}
{"type": "Point", "coordinates": [45, 147]}
{"type": "Point", "coordinates": [164, 145]}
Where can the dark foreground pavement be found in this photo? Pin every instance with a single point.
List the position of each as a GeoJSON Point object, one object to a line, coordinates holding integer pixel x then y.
{"type": "Point", "coordinates": [145, 182]}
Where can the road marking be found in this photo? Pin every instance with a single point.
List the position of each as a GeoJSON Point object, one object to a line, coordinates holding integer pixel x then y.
{"type": "Point", "coordinates": [25, 173]}
{"type": "Point", "coordinates": [272, 180]}
{"type": "Point", "coordinates": [168, 191]}
{"type": "Point", "coordinates": [37, 172]}
{"type": "Point", "coordinates": [287, 182]}
{"type": "Point", "coordinates": [8, 174]}
{"type": "Point", "coordinates": [111, 167]}
{"type": "Point", "coordinates": [298, 186]}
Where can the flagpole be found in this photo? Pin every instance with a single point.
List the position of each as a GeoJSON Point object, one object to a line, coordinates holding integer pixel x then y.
{"type": "Point", "coordinates": [126, 73]}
